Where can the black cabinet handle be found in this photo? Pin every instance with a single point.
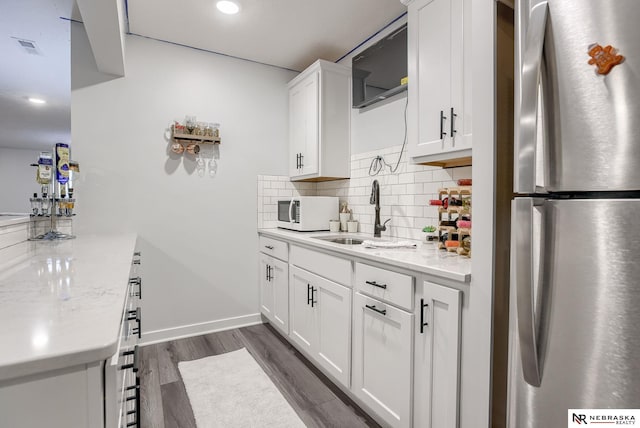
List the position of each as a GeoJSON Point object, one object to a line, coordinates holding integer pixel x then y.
{"type": "Point", "coordinates": [133, 365]}
{"type": "Point", "coordinates": [269, 247]}
{"type": "Point", "coordinates": [136, 281]}
{"type": "Point", "coordinates": [137, 316]}
{"type": "Point", "coordinates": [422, 323]}
{"type": "Point", "coordinates": [442, 118]}
{"type": "Point", "coordinates": [136, 262]}
{"type": "Point", "coordinates": [309, 298]}
{"type": "Point", "coordinates": [137, 253]}
{"type": "Point", "coordinates": [380, 311]}
{"type": "Point", "coordinates": [375, 284]}
{"type": "Point", "coordinates": [301, 157]}
{"type": "Point", "coordinates": [453, 115]}
{"type": "Point", "coordinates": [269, 273]}
{"type": "Point", "coordinates": [297, 160]}
{"type": "Point", "coordinates": [313, 301]}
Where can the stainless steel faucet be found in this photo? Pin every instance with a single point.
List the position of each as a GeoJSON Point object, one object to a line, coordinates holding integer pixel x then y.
{"type": "Point", "coordinates": [375, 200]}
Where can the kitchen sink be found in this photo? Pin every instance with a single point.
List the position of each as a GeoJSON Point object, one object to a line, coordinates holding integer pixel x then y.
{"type": "Point", "coordinates": [340, 240]}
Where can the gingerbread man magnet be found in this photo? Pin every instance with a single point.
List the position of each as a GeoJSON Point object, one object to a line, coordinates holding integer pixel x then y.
{"type": "Point", "coordinates": [604, 58]}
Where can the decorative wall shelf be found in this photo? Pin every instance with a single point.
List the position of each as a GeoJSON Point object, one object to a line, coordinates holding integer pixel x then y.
{"type": "Point", "coordinates": [202, 144]}
{"type": "Point", "coordinates": [191, 138]}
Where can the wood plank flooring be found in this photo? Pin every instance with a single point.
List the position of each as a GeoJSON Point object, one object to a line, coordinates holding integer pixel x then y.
{"type": "Point", "coordinates": [319, 403]}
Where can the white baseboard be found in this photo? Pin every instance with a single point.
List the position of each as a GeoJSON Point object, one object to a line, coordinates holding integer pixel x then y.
{"type": "Point", "coordinates": [164, 335]}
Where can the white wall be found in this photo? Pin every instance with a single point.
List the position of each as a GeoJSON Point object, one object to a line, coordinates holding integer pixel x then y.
{"type": "Point", "coordinates": [197, 235]}
{"type": "Point", "coordinates": [18, 179]}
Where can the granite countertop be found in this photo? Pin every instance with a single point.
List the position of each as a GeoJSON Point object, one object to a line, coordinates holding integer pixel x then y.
{"type": "Point", "coordinates": [61, 303]}
{"type": "Point", "coordinates": [425, 258]}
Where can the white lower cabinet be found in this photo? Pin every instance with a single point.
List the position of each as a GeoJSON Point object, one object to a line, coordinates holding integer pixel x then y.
{"type": "Point", "coordinates": [320, 321]}
{"type": "Point", "coordinates": [274, 291]}
{"type": "Point", "coordinates": [382, 359]}
{"type": "Point", "coordinates": [437, 356]}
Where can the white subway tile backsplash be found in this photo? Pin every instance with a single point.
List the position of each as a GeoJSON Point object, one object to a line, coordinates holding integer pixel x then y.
{"type": "Point", "coordinates": [399, 189]}
{"type": "Point", "coordinates": [415, 189]}
{"type": "Point", "coordinates": [406, 199]}
{"type": "Point", "coordinates": [431, 188]}
{"type": "Point", "coordinates": [407, 177]}
{"type": "Point", "coordinates": [424, 176]}
{"type": "Point", "coordinates": [404, 195]}
{"type": "Point", "coordinates": [442, 175]}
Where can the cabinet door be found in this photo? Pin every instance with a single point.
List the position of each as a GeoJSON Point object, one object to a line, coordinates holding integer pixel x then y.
{"type": "Point", "coordinates": [382, 359]}
{"type": "Point", "coordinates": [440, 91]}
{"type": "Point", "coordinates": [430, 74]}
{"type": "Point", "coordinates": [280, 288]}
{"type": "Point", "coordinates": [303, 127]}
{"type": "Point", "coordinates": [437, 356]}
{"type": "Point", "coordinates": [332, 305]}
{"type": "Point", "coordinates": [301, 313]}
{"type": "Point", "coordinates": [266, 287]}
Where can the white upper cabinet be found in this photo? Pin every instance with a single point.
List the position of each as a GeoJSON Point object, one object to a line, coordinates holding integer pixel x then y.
{"type": "Point", "coordinates": [439, 58]}
{"type": "Point", "coordinates": [319, 123]}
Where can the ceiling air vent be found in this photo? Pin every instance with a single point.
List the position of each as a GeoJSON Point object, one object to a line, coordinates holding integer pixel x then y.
{"type": "Point", "coordinates": [28, 46]}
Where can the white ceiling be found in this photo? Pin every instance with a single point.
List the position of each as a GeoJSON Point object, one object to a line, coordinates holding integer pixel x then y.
{"type": "Point", "coordinates": [285, 33]}
{"type": "Point", "coordinates": [47, 75]}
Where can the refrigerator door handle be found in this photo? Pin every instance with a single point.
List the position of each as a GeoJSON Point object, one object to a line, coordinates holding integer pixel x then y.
{"type": "Point", "coordinates": [522, 278]}
{"type": "Point", "coordinates": [526, 122]}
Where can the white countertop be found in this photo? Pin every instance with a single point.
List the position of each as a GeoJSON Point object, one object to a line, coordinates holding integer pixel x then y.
{"type": "Point", "coordinates": [61, 303]}
{"type": "Point", "coordinates": [10, 219]}
{"type": "Point", "coordinates": [426, 258]}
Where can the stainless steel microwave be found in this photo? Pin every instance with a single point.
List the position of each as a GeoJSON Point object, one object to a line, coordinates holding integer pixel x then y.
{"type": "Point", "coordinates": [307, 213]}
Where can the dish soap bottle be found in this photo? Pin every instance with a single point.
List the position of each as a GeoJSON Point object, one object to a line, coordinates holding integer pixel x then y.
{"type": "Point", "coordinates": [345, 214]}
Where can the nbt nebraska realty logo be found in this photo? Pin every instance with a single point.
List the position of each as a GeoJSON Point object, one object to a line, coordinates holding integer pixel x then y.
{"type": "Point", "coordinates": [579, 417]}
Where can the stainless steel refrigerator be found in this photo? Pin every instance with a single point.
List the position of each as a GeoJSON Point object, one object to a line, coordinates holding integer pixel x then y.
{"type": "Point", "coordinates": [575, 223]}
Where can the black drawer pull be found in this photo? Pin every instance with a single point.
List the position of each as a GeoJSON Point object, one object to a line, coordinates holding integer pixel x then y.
{"type": "Point", "coordinates": [137, 253]}
{"type": "Point", "coordinates": [137, 316]}
{"type": "Point", "coordinates": [136, 281]}
{"type": "Point", "coordinates": [133, 365]}
{"type": "Point", "coordinates": [375, 284]}
{"type": "Point", "coordinates": [380, 311]}
{"type": "Point", "coordinates": [136, 262]}
{"type": "Point", "coordinates": [422, 323]}
{"type": "Point", "coordinates": [269, 247]}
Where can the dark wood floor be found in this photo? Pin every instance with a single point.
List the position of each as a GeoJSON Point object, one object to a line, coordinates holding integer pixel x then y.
{"type": "Point", "coordinates": [319, 403]}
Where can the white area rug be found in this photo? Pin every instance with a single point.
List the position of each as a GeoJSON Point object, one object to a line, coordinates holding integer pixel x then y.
{"type": "Point", "coordinates": [232, 390]}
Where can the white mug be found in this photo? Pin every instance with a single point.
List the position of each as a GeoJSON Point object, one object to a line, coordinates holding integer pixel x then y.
{"type": "Point", "coordinates": [334, 225]}
{"type": "Point", "coordinates": [352, 226]}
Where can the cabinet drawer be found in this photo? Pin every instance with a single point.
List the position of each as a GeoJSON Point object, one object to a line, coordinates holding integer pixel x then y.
{"type": "Point", "coordinates": [330, 267]}
{"type": "Point", "coordinates": [392, 287]}
{"type": "Point", "coordinates": [274, 248]}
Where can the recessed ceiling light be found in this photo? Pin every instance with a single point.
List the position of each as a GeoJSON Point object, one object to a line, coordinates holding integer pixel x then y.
{"type": "Point", "coordinates": [36, 100]}
{"type": "Point", "coordinates": [228, 7]}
